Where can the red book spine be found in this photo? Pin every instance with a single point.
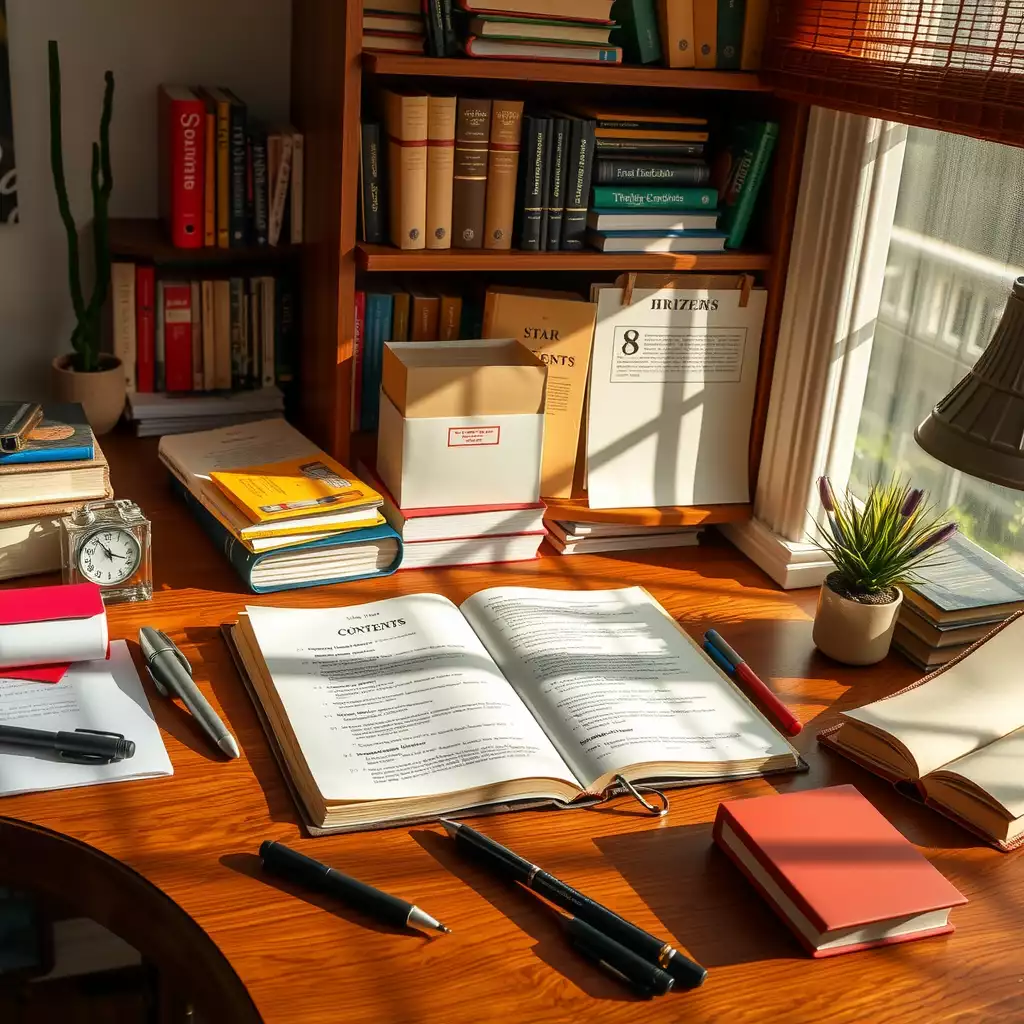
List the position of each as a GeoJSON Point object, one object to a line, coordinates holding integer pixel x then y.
{"type": "Point", "coordinates": [145, 329]}
{"type": "Point", "coordinates": [178, 336]}
{"type": "Point", "coordinates": [183, 159]}
{"type": "Point", "coordinates": [357, 359]}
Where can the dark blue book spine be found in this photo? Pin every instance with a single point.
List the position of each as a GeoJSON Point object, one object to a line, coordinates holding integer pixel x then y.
{"type": "Point", "coordinates": [239, 164]}
{"type": "Point", "coordinates": [379, 308]}
{"type": "Point", "coordinates": [286, 332]}
{"type": "Point", "coordinates": [260, 187]}
{"type": "Point", "coordinates": [240, 557]}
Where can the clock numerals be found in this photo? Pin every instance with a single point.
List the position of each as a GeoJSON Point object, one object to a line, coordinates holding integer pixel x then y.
{"type": "Point", "coordinates": [109, 557]}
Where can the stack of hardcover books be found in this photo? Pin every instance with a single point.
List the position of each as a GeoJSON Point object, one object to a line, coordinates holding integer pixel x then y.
{"type": "Point", "coordinates": [58, 467]}
{"type": "Point", "coordinates": [284, 513]}
{"type": "Point", "coordinates": [394, 26]}
{"type": "Point", "coordinates": [547, 30]}
{"type": "Point", "coordinates": [581, 538]}
{"type": "Point", "coordinates": [966, 593]}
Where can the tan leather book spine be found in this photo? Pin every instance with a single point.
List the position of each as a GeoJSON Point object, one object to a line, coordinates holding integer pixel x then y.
{"type": "Point", "coordinates": [209, 338]}
{"type": "Point", "coordinates": [400, 317]}
{"type": "Point", "coordinates": [222, 334]}
{"type": "Point", "coordinates": [450, 315]}
{"type": "Point", "coordinates": [675, 20]}
{"type": "Point", "coordinates": [502, 169]}
{"type": "Point", "coordinates": [469, 194]}
{"type": "Point", "coordinates": [426, 311]}
{"type": "Point", "coordinates": [440, 170]}
{"type": "Point", "coordinates": [405, 120]}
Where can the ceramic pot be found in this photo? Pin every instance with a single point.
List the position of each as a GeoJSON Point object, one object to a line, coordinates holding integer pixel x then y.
{"type": "Point", "coordinates": [852, 632]}
{"type": "Point", "coordinates": [101, 393]}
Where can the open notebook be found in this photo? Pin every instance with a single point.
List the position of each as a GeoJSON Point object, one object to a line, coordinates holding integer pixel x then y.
{"type": "Point", "coordinates": [957, 736]}
{"type": "Point", "coordinates": [411, 708]}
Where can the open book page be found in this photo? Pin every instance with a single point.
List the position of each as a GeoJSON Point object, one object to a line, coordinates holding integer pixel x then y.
{"type": "Point", "coordinates": [398, 699]}
{"type": "Point", "coordinates": [963, 708]}
{"type": "Point", "coordinates": [617, 684]}
{"type": "Point", "coordinates": [996, 770]}
{"type": "Point", "coordinates": [104, 695]}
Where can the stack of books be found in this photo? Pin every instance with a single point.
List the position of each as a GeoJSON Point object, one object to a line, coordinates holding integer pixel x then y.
{"type": "Point", "coordinates": [574, 31]}
{"type": "Point", "coordinates": [705, 34]}
{"type": "Point", "coordinates": [463, 535]}
{"type": "Point", "coordinates": [580, 538]}
{"type": "Point", "coordinates": [226, 179]}
{"type": "Point", "coordinates": [967, 593]}
{"type": "Point", "coordinates": [393, 26]}
{"type": "Point", "coordinates": [212, 335]}
{"type": "Point", "coordinates": [59, 467]}
{"type": "Point", "coordinates": [158, 413]}
{"type": "Point", "coordinates": [283, 512]}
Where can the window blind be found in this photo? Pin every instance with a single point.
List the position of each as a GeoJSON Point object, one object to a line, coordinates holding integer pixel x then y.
{"type": "Point", "coordinates": [955, 65]}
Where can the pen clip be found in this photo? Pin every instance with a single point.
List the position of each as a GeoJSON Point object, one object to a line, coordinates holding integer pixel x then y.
{"type": "Point", "coordinates": [92, 758]}
{"type": "Point", "coordinates": [172, 648]}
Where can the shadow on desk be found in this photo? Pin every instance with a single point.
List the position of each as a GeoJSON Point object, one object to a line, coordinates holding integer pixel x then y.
{"type": "Point", "coordinates": [531, 914]}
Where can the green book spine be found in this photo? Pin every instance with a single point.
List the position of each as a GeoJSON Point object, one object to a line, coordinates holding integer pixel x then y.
{"type": "Point", "coordinates": [638, 31]}
{"type": "Point", "coordinates": [749, 156]}
{"type": "Point", "coordinates": [614, 197]}
{"type": "Point", "coordinates": [730, 33]}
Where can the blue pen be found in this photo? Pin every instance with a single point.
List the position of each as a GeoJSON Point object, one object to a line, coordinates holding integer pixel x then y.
{"type": "Point", "coordinates": [718, 657]}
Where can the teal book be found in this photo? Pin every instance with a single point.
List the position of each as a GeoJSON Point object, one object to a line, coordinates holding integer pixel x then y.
{"type": "Point", "coordinates": [729, 49]}
{"type": "Point", "coordinates": [637, 33]}
{"type": "Point", "coordinates": [63, 435]}
{"type": "Point", "coordinates": [739, 174]}
{"type": "Point", "coordinates": [337, 558]}
{"type": "Point", "coordinates": [616, 197]}
{"type": "Point", "coordinates": [379, 312]}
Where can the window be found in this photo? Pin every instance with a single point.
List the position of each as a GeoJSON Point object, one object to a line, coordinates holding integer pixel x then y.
{"type": "Point", "coordinates": [957, 244]}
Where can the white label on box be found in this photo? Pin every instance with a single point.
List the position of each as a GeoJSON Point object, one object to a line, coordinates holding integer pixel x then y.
{"type": "Point", "coordinates": [677, 355]}
{"type": "Point", "coordinates": [473, 437]}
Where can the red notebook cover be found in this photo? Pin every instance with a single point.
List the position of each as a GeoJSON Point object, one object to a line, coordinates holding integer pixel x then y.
{"type": "Point", "coordinates": [838, 860]}
{"type": "Point", "coordinates": [182, 126]}
{"type": "Point", "coordinates": [177, 314]}
{"type": "Point", "coordinates": [145, 329]}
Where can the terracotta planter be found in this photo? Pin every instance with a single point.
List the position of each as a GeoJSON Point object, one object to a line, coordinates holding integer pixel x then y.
{"type": "Point", "coordinates": [851, 632]}
{"type": "Point", "coordinates": [101, 393]}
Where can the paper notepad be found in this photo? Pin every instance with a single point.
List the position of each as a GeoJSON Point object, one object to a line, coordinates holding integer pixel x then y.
{"type": "Point", "coordinates": [104, 695]}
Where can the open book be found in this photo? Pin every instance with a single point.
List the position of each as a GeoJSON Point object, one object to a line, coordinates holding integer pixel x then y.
{"type": "Point", "coordinates": [413, 707]}
{"type": "Point", "coordinates": [957, 735]}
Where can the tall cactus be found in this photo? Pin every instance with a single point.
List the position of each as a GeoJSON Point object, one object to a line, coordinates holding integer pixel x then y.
{"type": "Point", "coordinates": [87, 334]}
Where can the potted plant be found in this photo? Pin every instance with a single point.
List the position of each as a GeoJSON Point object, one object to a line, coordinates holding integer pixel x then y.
{"type": "Point", "coordinates": [86, 375]}
{"type": "Point", "coordinates": [873, 545]}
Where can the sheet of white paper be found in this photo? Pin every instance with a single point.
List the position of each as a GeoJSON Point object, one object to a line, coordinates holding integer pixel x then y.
{"type": "Point", "coordinates": [103, 695]}
{"type": "Point", "coordinates": [672, 387]}
{"type": "Point", "coordinates": [398, 699]}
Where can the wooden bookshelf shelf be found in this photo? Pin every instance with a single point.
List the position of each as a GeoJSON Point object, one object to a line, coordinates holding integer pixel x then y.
{"type": "Point", "coordinates": [143, 238]}
{"type": "Point", "coordinates": [386, 258]}
{"type": "Point", "coordinates": [580, 74]}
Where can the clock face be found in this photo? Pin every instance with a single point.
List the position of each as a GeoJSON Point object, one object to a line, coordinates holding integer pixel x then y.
{"type": "Point", "coordinates": [109, 556]}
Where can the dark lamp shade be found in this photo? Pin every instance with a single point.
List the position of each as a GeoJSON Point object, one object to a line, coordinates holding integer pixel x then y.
{"type": "Point", "coordinates": [978, 427]}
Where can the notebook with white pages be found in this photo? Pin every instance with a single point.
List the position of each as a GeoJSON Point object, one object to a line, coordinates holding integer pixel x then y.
{"type": "Point", "coordinates": [407, 709]}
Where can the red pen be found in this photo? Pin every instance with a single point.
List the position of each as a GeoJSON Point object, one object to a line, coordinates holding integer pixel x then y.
{"type": "Point", "coordinates": [789, 722]}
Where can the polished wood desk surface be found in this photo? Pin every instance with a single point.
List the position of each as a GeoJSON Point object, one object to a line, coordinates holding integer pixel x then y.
{"type": "Point", "coordinates": [305, 960]}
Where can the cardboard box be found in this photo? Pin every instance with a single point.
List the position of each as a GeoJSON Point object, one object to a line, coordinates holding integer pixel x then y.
{"type": "Point", "coordinates": [461, 423]}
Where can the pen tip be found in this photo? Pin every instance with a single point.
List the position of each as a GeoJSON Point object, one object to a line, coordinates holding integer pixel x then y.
{"type": "Point", "coordinates": [451, 827]}
{"type": "Point", "coordinates": [444, 928]}
{"type": "Point", "coordinates": [229, 746]}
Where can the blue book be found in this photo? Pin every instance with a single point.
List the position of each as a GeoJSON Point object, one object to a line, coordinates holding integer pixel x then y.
{"type": "Point", "coordinates": [254, 568]}
{"type": "Point", "coordinates": [379, 310]}
{"type": "Point", "coordinates": [63, 435]}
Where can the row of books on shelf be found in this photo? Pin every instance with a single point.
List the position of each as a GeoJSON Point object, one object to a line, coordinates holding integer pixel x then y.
{"type": "Point", "coordinates": [221, 334]}
{"type": "Point", "coordinates": [226, 179]}
{"type": "Point", "coordinates": [472, 173]}
{"type": "Point", "coordinates": [706, 34]}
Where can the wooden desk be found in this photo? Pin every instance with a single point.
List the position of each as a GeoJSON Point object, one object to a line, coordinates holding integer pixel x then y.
{"type": "Point", "coordinates": [305, 961]}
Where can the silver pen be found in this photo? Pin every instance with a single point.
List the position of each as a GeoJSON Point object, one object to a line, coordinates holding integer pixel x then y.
{"type": "Point", "coordinates": [172, 676]}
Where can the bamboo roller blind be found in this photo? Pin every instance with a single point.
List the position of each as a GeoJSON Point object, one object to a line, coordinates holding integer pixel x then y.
{"type": "Point", "coordinates": [956, 65]}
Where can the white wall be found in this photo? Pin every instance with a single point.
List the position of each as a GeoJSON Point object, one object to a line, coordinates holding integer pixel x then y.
{"type": "Point", "coordinates": [243, 44]}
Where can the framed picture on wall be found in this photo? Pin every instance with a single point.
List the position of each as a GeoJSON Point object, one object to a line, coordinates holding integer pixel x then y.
{"type": "Point", "coordinates": [8, 174]}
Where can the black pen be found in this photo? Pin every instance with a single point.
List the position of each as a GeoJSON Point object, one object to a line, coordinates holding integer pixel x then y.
{"type": "Point", "coordinates": [684, 970]}
{"type": "Point", "coordinates": [296, 867]}
{"type": "Point", "coordinates": [625, 965]}
{"type": "Point", "coordinates": [83, 746]}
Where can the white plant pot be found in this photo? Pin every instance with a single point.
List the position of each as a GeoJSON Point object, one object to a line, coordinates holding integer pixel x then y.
{"type": "Point", "coordinates": [852, 632]}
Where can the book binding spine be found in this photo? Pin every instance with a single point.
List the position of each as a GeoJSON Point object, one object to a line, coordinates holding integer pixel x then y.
{"type": "Point", "coordinates": [574, 224]}
{"type": "Point", "coordinates": [473, 122]}
{"type": "Point", "coordinates": [371, 209]}
{"type": "Point", "coordinates": [145, 328]}
{"type": "Point", "coordinates": [502, 171]}
{"type": "Point", "coordinates": [185, 127]}
{"type": "Point", "coordinates": [177, 315]}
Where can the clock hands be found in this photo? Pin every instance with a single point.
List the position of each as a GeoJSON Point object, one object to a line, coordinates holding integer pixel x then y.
{"type": "Point", "coordinates": [110, 554]}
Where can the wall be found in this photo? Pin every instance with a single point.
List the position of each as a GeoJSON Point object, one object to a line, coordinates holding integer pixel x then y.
{"type": "Point", "coordinates": [243, 44]}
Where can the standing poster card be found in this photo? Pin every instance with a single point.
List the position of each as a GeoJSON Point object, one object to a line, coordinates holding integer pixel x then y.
{"type": "Point", "coordinates": [672, 384]}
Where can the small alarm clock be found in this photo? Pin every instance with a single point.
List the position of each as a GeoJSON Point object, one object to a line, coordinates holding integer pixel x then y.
{"type": "Point", "coordinates": [107, 543]}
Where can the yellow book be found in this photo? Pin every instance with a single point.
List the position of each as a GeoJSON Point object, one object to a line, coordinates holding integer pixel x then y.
{"type": "Point", "coordinates": [293, 488]}
{"type": "Point", "coordinates": [705, 32]}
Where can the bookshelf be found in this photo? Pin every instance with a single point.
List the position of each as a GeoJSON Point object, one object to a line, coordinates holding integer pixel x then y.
{"type": "Point", "coordinates": [331, 80]}
{"type": "Point", "coordinates": [145, 239]}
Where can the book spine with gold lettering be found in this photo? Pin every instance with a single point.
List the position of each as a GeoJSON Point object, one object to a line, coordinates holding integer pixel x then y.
{"type": "Point", "coordinates": [502, 171]}
{"type": "Point", "coordinates": [440, 170]}
{"type": "Point", "coordinates": [405, 120]}
{"type": "Point", "coordinates": [472, 134]}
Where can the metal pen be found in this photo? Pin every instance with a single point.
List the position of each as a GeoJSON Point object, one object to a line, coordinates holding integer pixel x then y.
{"type": "Point", "coordinates": [685, 971]}
{"type": "Point", "coordinates": [83, 746]}
{"type": "Point", "coordinates": [296, 867]}
{"type": "Point", "coordinates": [172, 676]}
